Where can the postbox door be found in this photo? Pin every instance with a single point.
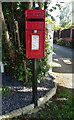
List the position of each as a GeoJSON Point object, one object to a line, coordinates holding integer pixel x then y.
{"type": "Point", "coordinates": [35, 44]}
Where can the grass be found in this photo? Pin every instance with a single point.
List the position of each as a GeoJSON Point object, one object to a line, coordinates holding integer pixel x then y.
{"type": "Point", "coordinates": [60, 107]}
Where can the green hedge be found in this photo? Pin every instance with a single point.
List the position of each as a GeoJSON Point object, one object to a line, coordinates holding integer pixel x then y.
{"type": "Point", "coordinates": [62, 42]}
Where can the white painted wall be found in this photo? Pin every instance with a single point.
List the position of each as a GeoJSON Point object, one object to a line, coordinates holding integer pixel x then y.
{"type": "Point", "coordinates": [50, 27]}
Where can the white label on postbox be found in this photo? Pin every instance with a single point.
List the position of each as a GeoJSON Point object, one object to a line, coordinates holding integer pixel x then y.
{"type": "Point", "coordinates": [35, 42]}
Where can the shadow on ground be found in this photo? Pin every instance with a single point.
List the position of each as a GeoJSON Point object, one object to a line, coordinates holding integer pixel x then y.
{"type": "Point", "coordinates": [51, 112]}
{"type": "Point", "coordinates": [21, 95]}
{"type": "Point", "coordinates": [62, 65]}
{"type": "Point", "coordinates": [63, 59]}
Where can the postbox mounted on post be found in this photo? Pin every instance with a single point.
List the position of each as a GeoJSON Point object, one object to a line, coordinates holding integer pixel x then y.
{"type": "Point", "coordinates": [35, 33]}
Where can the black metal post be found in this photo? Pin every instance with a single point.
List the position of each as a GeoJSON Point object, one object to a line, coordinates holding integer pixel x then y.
{"type": "Point", "coordinates": [34, 83]}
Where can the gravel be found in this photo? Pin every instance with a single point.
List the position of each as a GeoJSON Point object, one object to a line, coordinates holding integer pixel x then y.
{"type": "Point", "coordinates": [21, 95]}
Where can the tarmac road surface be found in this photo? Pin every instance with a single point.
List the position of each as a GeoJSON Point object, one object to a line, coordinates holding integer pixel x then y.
{"type": "Point", "coordinates": [63, 62]}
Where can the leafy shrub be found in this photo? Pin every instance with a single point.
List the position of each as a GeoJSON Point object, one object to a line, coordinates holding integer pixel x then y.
{"type": "Point", "coordinates": [54, 41]}
{"type": "Point", "coordinates": [42, 64]}
{"type": "Point", "coordinates": [69, 43]}
{"type": "Point", "coordinates": [5, 91]}
{"type": "Point", "coordinates": [17, 68]}
{"type": "Point", "coordinates": [61, 42]}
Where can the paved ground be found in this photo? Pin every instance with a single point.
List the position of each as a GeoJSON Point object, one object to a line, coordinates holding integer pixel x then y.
{"type": "Point", "coordinates": [63, 62]}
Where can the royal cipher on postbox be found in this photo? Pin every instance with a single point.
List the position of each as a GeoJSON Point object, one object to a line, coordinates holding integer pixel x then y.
{"type": "Point", "coordinates": [35, 33]}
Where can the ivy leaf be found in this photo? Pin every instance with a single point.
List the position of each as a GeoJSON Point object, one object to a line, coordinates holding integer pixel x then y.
{"type": "Point", "coordinates": [52, 18]}
{"type": "Point", "coordinates": [21, 78]}
{"type": "Point", "coordinates": [54, 8]}
{"type": "Point", "coordinates": [51, 10]}
{"type": "Point", "coordinates": [58, 5]}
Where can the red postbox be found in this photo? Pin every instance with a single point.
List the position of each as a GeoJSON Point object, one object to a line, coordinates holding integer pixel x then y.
{"type": "Point", "coordinates": [35, 33]}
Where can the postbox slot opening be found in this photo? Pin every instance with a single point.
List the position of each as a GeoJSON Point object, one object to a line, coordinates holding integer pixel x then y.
{"type": "Point", "coordinates": [35, 19]}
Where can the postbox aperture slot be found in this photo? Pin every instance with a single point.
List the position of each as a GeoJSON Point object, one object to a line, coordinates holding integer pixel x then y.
{"type": "Point", "coordinates": [35, 20]}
